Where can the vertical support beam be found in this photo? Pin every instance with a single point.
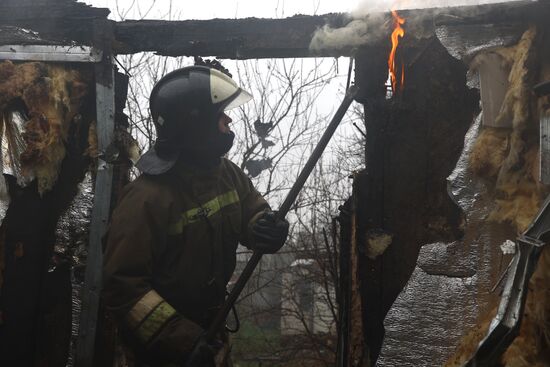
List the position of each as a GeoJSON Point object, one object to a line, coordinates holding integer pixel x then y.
{"type": "Point", "coordinates": [358, 353]}
{"type": "Point", "coordinates": [545, 148]}
{"type": "Point", "coordinates": [105, 107]}
{"type": "Point", "coordinates": [542, 90]}
{"type": "Point", "coordinates": [369, 190]}
{"type": "Point", "coordinates": [344, 279]}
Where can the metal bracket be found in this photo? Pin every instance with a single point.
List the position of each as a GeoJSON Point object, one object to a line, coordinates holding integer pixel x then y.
{"type": "Point", "coordinates": [51, 53]}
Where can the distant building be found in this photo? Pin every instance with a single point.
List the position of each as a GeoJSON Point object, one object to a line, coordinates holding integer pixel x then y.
{"type": "Point", "coordinates": [305, 305]}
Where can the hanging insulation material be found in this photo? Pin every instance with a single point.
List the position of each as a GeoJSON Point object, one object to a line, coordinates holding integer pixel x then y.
{"type": "Point", "coordinates": [509, 157]}
{"type": "Point", "coordinates": [508, 160]}
{"type": "Point", "coordinates": [532, 346]}
{"type": "Point", "coordinates": [13, 144]}
{"type": "Point", "coordinates": [50, 95]}
{"type": "Point", "coordinates": [38, 102]}
{"type": "Point", "coordinates": [490, 151]}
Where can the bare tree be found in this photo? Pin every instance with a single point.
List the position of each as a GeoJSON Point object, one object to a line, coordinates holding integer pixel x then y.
{"type": "Point", "coordinates": [275, 133]}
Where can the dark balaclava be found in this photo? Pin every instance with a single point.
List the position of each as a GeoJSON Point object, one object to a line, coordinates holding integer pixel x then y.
{"type": "Point", "coordinates": [186, 106]}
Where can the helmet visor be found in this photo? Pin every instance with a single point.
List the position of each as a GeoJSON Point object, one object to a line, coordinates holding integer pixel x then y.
{"type": "Point", "coordinates": [241, 98]}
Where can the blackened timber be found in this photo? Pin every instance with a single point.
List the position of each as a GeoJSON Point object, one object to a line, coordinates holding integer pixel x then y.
{"type": "Point", "coordinates": [226, 38]}
{"type": "Point", "coordinates": [413, 142]}
{"type": "Point", "coordinates": [59, 20]}
{"type": "Point", "coordinates": [10, 35]}
{"type": "Point", "coordinates": [291, 37]}
{"type": "Point", "coordinates": [343, 295]}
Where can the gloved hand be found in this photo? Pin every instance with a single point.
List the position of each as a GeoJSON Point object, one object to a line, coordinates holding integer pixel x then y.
{"type": "Point", "coordinates": [203, 353]}
{"type": "Point", "coordinates": [269, 233]}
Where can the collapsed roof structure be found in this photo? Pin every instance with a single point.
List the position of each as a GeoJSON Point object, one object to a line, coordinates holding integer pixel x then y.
{"type": "Point", "coordinates": [444, 186]}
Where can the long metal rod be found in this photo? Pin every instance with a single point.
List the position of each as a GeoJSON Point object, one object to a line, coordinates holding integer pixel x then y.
{"type": "Point", "coordinates": [219, 320]}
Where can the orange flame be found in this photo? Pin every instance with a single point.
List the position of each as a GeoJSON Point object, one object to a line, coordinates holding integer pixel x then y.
{"type": "Point", "coordinates": [398, 31]}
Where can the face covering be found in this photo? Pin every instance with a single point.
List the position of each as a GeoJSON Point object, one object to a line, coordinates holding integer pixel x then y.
{"type": "Point", "coordinates": [207, 144]}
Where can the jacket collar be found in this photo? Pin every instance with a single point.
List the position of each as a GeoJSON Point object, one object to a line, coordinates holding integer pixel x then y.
{"type": "Point", "coordinates": [187, 170]}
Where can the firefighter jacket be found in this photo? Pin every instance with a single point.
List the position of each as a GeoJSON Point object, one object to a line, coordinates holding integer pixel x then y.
{"type": "Point", "coordinates": [171, 250]}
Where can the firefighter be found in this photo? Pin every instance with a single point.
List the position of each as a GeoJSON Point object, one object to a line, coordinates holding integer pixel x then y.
{"type": "Point", "coordinates": [171, 245]}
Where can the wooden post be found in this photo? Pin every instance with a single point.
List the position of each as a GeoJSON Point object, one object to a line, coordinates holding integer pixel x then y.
{"type": "Point", "coordinates": [105, 107]}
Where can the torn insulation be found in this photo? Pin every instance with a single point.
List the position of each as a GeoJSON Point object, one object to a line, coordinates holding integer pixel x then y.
{"type": "Point", "coordinates": [508, 159]}
{"type": "Point", "coordinates": [49, 95]}
{"type": "Point", "coordinates": [377, 242]}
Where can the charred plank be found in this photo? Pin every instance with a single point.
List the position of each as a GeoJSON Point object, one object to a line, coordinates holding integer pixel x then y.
{"type": "Point", "coordinates": [59, 21]}
{"type": "Point", "coordinates": [225, 38]}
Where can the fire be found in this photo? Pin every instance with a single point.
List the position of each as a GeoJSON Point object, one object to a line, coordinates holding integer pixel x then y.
{"type": "Point", "coordinates": [398, 31]}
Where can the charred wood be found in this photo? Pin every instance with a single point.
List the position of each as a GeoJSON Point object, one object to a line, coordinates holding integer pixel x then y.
{"type": "Point", "coordinates": [414, 140]}
{"type": "Point", "coordinates": [225, 38]}
{"type": "Point", "coordinates": [291, 37]}
{"type": "Point", "coordinates": [61, 21]}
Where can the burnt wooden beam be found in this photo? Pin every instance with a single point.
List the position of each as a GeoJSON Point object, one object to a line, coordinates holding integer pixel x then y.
{"type": "Point", "coordinates": [63, 21]}
{"type": "Point", "coordinates": [52, 21]}
{"type": "Point", "coordinates": [11, 35]}
{"type": "Point", "coordinates": [290, 37]}
{"type": "Point", "coordinates": [225, 38]}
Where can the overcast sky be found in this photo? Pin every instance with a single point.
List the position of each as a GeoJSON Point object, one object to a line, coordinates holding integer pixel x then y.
{"type": "Point", "coordinates": [188, 9]}
{"type": "Point", "coordinates": [193, 9]}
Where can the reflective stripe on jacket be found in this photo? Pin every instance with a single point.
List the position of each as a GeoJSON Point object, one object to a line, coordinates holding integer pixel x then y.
{"type": "Point", "coordinates": [170, 251]}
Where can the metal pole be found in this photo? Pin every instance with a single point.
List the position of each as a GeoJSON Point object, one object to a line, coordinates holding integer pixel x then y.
{"type": "Point", "coordinates": [219, 320]}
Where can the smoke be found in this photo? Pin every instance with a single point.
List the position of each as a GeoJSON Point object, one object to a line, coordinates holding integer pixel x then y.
{"type": "Point", "coordinates": [356, 33]}
{"type": "Point", "coordinates": [370, 22]}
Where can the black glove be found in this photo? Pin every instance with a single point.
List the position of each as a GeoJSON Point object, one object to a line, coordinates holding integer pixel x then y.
{"type": "Point", "coordinates": [269, 233]}
{"type": "Point", "coordinates": [203, 353]}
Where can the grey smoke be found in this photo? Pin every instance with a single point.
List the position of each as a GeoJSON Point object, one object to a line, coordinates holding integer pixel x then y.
{"type": "Point", "coordinates": [369, 22]}
{"type": "Point", "coordinates": [356, 33]}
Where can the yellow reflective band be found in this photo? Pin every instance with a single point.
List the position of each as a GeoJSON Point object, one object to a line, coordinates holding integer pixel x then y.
{"type": "Point", "coordinates": [142, 308]}
{"type": "Point", "coordinates": [154, 322]}
{"type": "Point", "coordinates": [207, 210]}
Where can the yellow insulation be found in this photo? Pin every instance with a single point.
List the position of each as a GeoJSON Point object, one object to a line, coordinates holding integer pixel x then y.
{"type": "Point", "coordinates": [52, 94]}
{"type": "Point", "coordinates": [509, 157]}
{"type": "Point", "coordinates": [516, 105]}
{"type": "Point", "coordinates": [509, 160]}
{"type": "Point", "coordinates": [490, 150]}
